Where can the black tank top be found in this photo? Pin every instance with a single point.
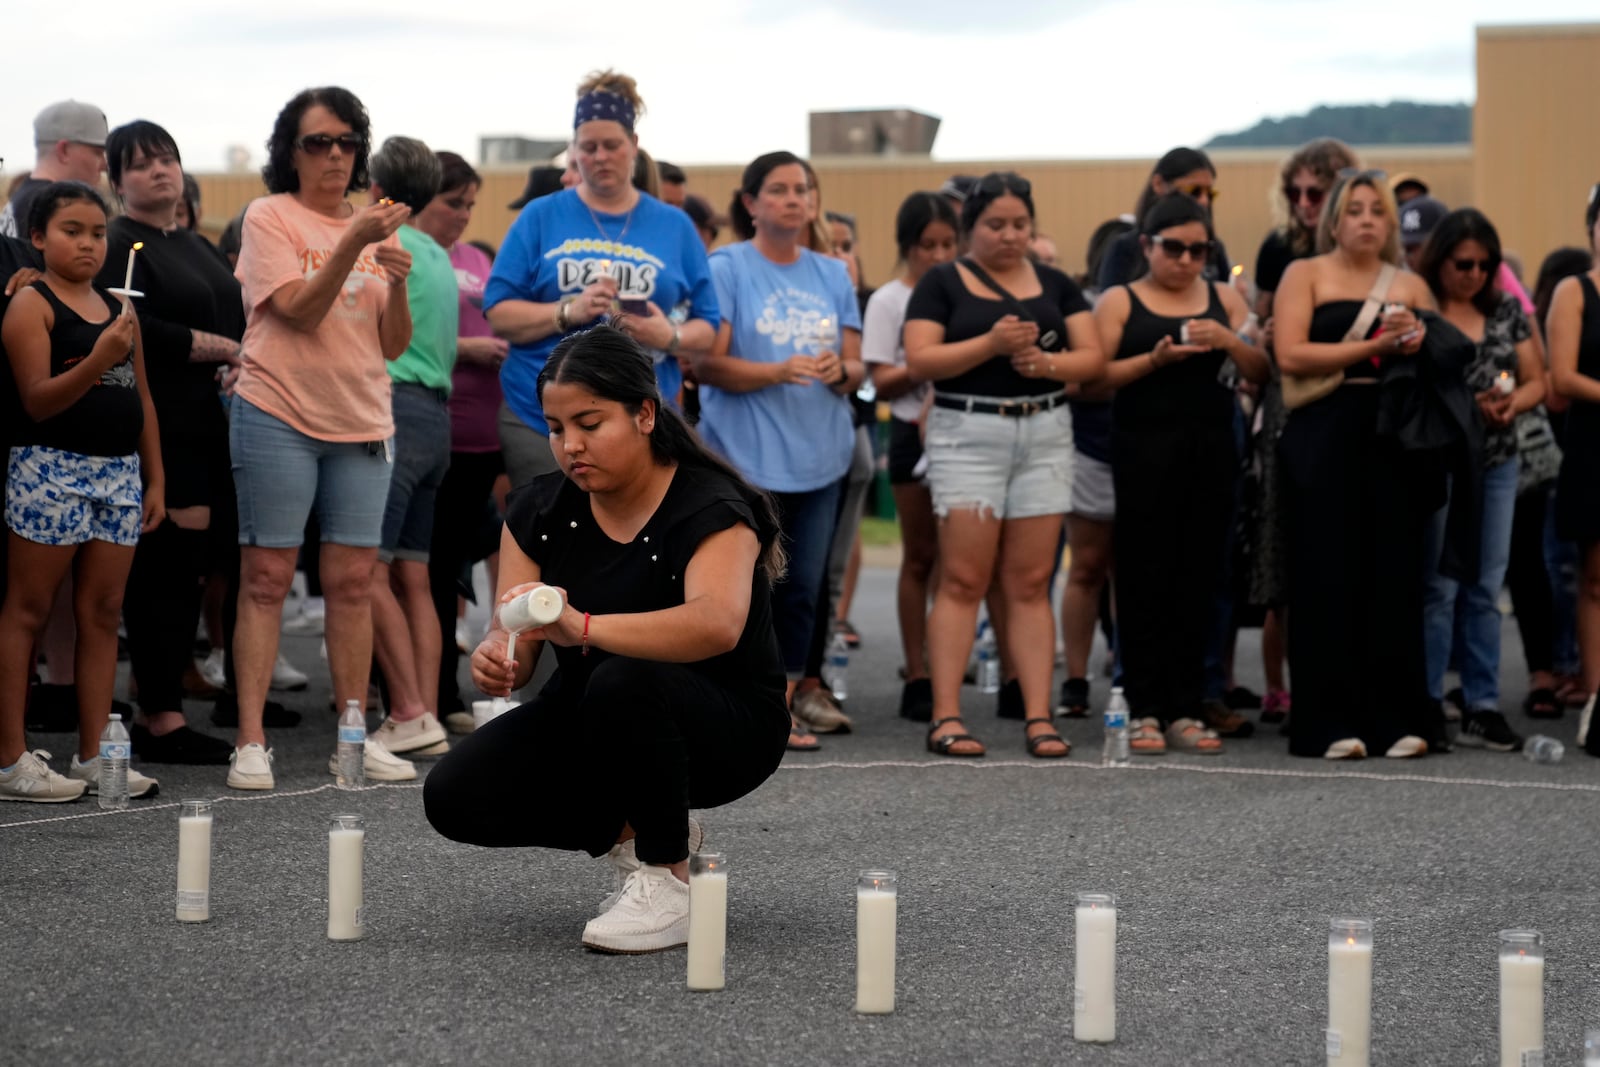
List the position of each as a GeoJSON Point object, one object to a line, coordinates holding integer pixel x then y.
{"type": "Point", "coordinates": [108, 418]}
{"type": "Point", "coordinates": [1331, 321]}
{"type": "Point", "coordinates": [1589, 338]}
{"type": "Point", "coordinates": [1186, 391]}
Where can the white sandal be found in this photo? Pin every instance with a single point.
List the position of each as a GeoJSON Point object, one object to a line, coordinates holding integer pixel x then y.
{"type": "Point", "coordinates": [1349, 748]}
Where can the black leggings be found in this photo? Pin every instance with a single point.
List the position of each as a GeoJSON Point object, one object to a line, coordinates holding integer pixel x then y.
{"type": "Point", "coordinates": [162, 608]}
{"type": "Point", "coordinates": [640, 745]}
{"type": "Point", "coordinates": [458, 507]}
{"type": "Point", "coordinates": [1529, 582]}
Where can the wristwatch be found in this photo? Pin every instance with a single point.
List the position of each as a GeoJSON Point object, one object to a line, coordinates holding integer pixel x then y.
{"type": "Point", "coordinates": [562, 326]}
{"type": "Point", "coordinates": [677, 338]}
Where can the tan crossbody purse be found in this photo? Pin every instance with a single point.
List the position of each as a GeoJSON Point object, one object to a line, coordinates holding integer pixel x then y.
{"type": "Point", "coordinates": [1301, 389]}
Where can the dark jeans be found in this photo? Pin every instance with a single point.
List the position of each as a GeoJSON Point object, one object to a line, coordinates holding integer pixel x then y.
{"type": "Point", "coordinates": [1175, 498]}
{"type": "Point", "coordinates": [161, 607]}
{"type": "Point", "coordinates": [459, 503]}
{"type": "Point", "coordinates": [808, 521]}
{"type": "Point", "coordinates": [642, 744]}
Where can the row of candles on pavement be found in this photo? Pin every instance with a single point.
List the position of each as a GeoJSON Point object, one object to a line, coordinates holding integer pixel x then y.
{"type": "Point", "coordinates": [1094, 1017]}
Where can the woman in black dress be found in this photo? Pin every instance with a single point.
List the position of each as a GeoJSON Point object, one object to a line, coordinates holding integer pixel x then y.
{"type": "Point", "coordinates": [669, 692]}
{"type": "Point", "coordinates": [1574, 327]}
{"type": "Point", "coordinates": [1355, 519]}
{"type": "Point", "coordinates": [1174, 464]}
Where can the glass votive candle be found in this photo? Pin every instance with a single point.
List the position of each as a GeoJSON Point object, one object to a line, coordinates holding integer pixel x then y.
{"type": "Point", "coordinates": [876, 912]}
{"type": "Point", "coordinates": [194, 861]}
{"type": "Point", "coordinates": [1521, 997]}
{"type": "Point", "coordinates": [1349, 1033]}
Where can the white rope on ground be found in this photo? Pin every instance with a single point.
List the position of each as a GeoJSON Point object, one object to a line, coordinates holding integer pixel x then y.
{"type": "Point", "coordinates": [1190, 768]}
{"type": "Point", "coordinates": [136, 808]}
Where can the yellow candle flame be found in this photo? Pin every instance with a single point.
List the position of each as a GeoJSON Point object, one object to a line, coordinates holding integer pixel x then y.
{"type": "Point", "coordinates": [138, 245]}
{"type": "Point", "coordinates": [1238, 269]}
{"type": "Point", "coordinates": [1350, 941]}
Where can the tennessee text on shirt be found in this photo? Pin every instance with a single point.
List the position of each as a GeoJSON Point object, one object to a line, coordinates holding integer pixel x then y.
{"type": "Point", "coordinates": [314, 259]}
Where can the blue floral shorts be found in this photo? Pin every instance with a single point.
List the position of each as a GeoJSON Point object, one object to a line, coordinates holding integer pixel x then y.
{"type": "Point", "coordinates": [55, 497]}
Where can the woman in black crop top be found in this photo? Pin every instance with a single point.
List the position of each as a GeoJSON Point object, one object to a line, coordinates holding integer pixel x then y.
{"type": "Point", "coordinates": [999, 337]}
{"type": "Point", "coordinates": [669, 692]}
{"type": "Point", "coordinates": [85, 479]}
{"type": "Point", "coordinates": [1355, 513]}
{"type": "Point", "coordinates": [1574, 326]}
{"type": "Point", "coordinates": [1174, 464]}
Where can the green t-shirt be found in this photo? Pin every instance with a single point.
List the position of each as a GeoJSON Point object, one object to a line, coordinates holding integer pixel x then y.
{"type": "Point", "coordinates": [435, 314]}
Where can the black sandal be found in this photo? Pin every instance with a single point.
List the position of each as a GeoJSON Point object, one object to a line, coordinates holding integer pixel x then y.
{"type": "Point", "coordinates": [1044, 738]}
{"type": "Point", "coordinates": [941, 746]}
{"type": "Point", "coordinates": [1543, 704]}
{"type": "Point", "coordinates": [799, 733]}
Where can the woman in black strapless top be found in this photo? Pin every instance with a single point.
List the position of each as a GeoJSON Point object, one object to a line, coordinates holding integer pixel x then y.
{"type": "Point", "coordinates": [1574, 328]}
{"type": "Point", "coordinates": [1355, 519]}
{"type": "Point", "coordinates": [1175, 464]}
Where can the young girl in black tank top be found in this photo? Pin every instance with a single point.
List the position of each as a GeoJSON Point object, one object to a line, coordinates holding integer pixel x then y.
{"type": "Point", "coordinates": [1174, 463]}
{"type": "Point", "coordinates": [82, 483]}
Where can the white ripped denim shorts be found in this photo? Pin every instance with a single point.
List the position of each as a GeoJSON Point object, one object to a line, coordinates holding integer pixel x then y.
{"type": "Point", "coordinates": [1007, 466]}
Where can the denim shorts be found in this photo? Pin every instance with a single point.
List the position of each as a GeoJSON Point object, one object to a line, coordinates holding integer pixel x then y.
{"type": "Point", "coordinates": [1010, 468]}
{"type": "Point", "coordinates": [55, 497]}
{"type": "Point", "coordinates": [421, 458]}
{"type": "Point", "coordinates": [280, 474]}
{"type": "Point", "coordinates": [1093, 494]}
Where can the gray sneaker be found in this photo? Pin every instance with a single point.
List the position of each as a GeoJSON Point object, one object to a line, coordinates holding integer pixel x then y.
{"type": "Point", "coordinates": [33, 780]}
{"type": "Point", "coordinates": [625, 861]}
{"type": "Point", "coordinates": [652, 914]}
{"type": "Point", "coordinates": [818, 709]}
{"type": "Point", "coordinates": [139, 785]}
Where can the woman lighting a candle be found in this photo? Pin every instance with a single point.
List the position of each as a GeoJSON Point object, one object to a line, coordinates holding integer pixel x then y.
{"type": "Point", "coordinates": [669, 690]}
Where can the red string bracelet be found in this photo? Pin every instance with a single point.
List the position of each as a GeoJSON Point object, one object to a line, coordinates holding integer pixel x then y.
{"type": "Point", "coordinates": [586, 633]}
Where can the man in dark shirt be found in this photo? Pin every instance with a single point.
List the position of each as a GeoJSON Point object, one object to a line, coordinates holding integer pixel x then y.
{"type": "Point", "coordinates": [71, 140]}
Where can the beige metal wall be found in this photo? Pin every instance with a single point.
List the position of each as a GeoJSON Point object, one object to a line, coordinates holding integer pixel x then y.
{"type": "Point", "coordinates": [1537, 153]}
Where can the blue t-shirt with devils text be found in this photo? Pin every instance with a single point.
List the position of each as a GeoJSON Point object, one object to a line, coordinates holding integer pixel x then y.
{"type": "Point", "coordinates": [786, 438]}
{"type": "Point", "coordinates": [558, 246]}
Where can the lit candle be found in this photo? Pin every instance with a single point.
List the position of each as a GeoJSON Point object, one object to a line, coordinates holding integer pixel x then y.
{"type": "Point", "coordinates": [1094, 994]}
{"type": "Point", "coordinates": [1505, 383]}
{"type": "Point", "coordinates": [1349, 1033]}
{"type": "Point", "coordinates": [127, 281]}
{"type": "Point", "coordinates": [347, 836]}
{"type": "Point", "coordinates": [708, 920]}
{"type": "Point", "coordinates": [875, 922]}
{"type": "Point", "coordinates": [194, 861]}
{"type": "Point", "coordinates": [1521, 998]}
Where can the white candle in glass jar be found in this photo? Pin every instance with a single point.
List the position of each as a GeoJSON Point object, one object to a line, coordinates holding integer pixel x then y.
{"type": "Point", "coordinates": [1349, 1033]}
{"type": "Point", "coordinates": [530, 610]}
{"type": "Point", "coordinates": [876, 912]}
{"type": "Point", "coordinates": [708, 920]}
{"type": "Point", "coordinates": [1094, 994]}
{"type": "Point", "coordinates": [346, 840]}
{"type": "Point", "coordinates": [1521, 999]}
{"type": "Point", "coordinates": [194, 861]}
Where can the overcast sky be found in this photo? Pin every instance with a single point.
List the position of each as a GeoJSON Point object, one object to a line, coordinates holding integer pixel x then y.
{"type": "Point", "coordinates": [725, 80]}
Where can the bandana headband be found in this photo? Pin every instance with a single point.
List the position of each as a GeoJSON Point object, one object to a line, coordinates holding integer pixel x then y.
{"type": "Point", "coordinates": [605, 106]}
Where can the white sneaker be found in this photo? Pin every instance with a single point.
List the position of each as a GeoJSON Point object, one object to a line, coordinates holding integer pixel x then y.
{"type": "Point", "coordinates": [410, 736]}
{"type": "Point", "coordinates": [652, 914]}
{"type": "Point", "coordinates": [212, 669]}
{"type": "Point", "coordinates": [33, 780]}
{"type": "Point", "coordinates": [625, 861]}
{"type": "Point", "coordinates": [463, 638]}
{"type": "Point", "coordinates": [310, 619]}
{"type": "Point", "coordinates": [252, 768]}
{"type": "Point", "coordinates": [139, 785]}
{"type": "Point", "coordinates": [380, 765]}
{"type": "Point", "coordinates": [1408, 747]}
{"type": "Point", "coordinates": [285, 676]}
{"type": "Point", "coordinates": [460, 722]}
{"type": "Point", "coordinates": [1348, 748]}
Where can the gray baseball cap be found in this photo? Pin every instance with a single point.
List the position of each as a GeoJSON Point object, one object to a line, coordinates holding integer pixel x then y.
{"type": "Point", "coordinates": [70, 120]}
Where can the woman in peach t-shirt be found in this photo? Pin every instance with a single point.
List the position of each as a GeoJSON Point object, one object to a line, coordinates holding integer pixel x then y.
{"type": "Point", "coordinates": [325, 299]}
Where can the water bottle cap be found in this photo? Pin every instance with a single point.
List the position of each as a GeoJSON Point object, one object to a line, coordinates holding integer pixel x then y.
{"type": "Point", "coordinates": [116, 717]}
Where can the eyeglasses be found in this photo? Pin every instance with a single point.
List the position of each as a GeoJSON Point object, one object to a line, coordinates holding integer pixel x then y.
{"type": "Point", "coordinates": [320, 144]}
{"type": "Point", "coordinates": [1001, 183]}
{"type": "Point", "coordinates": [1311, 194]}
{"type": "Point", "coordinates": [1468, 266]}
{"type": "Point", "coordinates": [1200, 251]}
{"type": "Point", "coordinates": [1195, 192]}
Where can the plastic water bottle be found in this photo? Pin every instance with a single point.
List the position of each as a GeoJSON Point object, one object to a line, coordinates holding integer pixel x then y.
{"type": "Point", "coordinates": [352, 747]}
{"type": "Point", "coordinates": [988, 661]}
{"type": "Point", "coordinates": [1116, 720]}
{"type": "Point", "coordinates": [837, 668]}
{"type": "Point", "coordinates": [1542, 749]}
{"type": "Point", "coordinates": [114, 753]}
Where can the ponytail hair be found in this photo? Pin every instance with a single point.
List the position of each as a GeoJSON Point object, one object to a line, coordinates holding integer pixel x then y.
{"type": "Point", "coordinates": [612, 366]}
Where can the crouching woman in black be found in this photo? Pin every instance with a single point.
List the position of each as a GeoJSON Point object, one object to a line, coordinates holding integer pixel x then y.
{"type": "Point", "coordinates": [669, 693]}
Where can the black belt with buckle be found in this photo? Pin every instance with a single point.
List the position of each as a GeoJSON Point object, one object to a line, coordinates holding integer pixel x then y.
{"type": "Point", "coordinates": [1011, 409]}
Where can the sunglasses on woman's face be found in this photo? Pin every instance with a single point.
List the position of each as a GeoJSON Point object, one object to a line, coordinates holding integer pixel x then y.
{"type": "Point", "coordinates": [1311, 194]}
{"type": "Point", "coordinates": [1195, 192]}
{"type": "Point", "coordinates": [1469, 266]}
{"type": "Point", "coordinates": [320, 144]}
{"type": "Point", "coordinates": [1200, 251]}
